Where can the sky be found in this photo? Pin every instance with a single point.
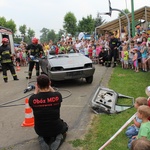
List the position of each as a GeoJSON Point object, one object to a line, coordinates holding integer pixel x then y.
{"type": "Point", "coordinates": [38, 14]}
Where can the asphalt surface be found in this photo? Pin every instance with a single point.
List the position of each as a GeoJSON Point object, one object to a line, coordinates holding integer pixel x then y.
{"type": "Point", "coordinates": [75, 110]}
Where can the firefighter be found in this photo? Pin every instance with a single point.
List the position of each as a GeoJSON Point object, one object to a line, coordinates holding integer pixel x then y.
{"type": "Point", "coordinates": [113, 52]}
{"type": "Point", "coordinates": [6, 60]}
{"type": "Point", "coordinates": [34, 51]}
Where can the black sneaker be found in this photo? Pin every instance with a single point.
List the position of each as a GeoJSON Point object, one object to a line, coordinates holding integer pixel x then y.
{"type": "Point", "coordinates": [108, 65]}
{"type": "Point", "coordinates": [16, 79]}
{"type": "Point", "coordinates": [28, 77]}
{"type": "Point", "coordinates": [114, 66]}
{"type": "Point", "coordinates": [5, 81]}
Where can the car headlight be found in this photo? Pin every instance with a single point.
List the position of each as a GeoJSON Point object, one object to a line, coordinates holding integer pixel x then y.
{"type": "Point", "coordinates": [89, 65]}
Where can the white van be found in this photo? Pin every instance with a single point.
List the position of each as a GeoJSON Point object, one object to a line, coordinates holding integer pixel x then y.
{"type": "Point", "coordinates": [7, 33]}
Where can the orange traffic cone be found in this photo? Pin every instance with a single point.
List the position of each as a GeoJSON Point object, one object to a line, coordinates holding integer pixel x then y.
{"type": "Point", "coordinates": [18, 67]}
{"type": "Point", "coordinates": [29, 119]}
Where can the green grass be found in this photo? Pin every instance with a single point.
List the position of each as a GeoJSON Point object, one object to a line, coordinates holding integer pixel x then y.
{"type": "Point", "coordinates": [104, 126]}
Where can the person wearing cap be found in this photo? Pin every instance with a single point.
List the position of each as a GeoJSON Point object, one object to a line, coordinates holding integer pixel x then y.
{"type": "Point", "coordinates": [6, 60]}
{"type": "Point", "coordinates": [144, 56]}
{"type": "Point", "coordinates": [34, 51]}
{"type": "Point", "coordinates": [113, 45]}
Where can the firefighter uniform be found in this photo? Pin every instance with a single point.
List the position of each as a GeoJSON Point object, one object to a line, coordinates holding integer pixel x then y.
{"type": "Point", "coordinates": [6, 62]}
{"type": "Point", "coordinates": [113, 52]}
{"type": "Point", "coordinates": [35, 50]}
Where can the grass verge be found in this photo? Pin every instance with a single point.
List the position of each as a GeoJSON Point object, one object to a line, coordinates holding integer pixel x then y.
{"type": "Point", "coordinates": [104, 126]}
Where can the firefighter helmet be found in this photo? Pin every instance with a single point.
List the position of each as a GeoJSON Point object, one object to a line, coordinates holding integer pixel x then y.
{"type": "Point", "coordinates": [5, 40]}
{"type": "Point", "coordinates": [35, 41]}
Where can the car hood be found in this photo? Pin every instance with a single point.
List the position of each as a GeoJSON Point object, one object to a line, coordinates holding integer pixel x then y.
{"type": "Point", "coordinates": [68, 60]}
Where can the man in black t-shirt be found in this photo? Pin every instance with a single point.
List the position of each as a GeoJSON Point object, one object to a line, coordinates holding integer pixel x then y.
{"type": "Point", "coordinates": [46, 104]}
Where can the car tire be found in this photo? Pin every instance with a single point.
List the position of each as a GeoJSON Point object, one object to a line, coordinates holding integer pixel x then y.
{"type": "Point", "coordinates": [89, 79]}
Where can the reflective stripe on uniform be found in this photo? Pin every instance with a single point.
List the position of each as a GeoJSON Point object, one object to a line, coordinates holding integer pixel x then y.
{"type": "Point", "coordinates": [14, 75]}
{"type": "Point", "coordinates": [5, 77]}
{"type": "Point", "coordinates": [6, 61]}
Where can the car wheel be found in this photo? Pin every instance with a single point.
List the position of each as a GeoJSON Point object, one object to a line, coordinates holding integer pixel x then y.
{"type": "Point", "coordinates": [89, 79]}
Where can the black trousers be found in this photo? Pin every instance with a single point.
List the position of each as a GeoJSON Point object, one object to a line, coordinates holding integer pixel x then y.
{"type": "Point", "coordinates": [31, 66]}
{"type": "Point", "coordinates": [8, 66]}
{"type": "Point", "coordinates": [113, 53]}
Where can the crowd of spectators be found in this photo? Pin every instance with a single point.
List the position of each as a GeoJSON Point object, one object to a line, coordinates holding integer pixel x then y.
{"type": "Point", "coordinates": [133, 53]}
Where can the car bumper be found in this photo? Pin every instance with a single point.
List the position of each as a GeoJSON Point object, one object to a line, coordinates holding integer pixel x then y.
{"type": "Point", "coordinates": [71, 74]}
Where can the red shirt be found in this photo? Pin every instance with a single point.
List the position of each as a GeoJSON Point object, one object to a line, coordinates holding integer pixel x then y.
{"type": "Point", "coordinates": [90, 52]}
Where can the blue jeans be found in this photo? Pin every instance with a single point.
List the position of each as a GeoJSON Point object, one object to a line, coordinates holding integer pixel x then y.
{"type": "Point", "coordinates": [130, 142]}
{"type": "Point", "coordinates": [131, 131]}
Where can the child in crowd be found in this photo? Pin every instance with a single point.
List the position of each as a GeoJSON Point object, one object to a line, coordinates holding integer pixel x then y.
{"type": "Point", "coordinates": [144, 56]}
{"type": "Point", "coordinates": [140, 144]}
{"type": "Point", "coordinates": [94, 56]}
{"type": "Point", "coordinates": [86, 50]}
{"type": "Point", "coordinates": [125, 57]}
{"type": "Point", "coordinates": [134, 128]}
{"type": "Point", "coordinates": [131, 54]}
{"type": "Point", "coordinates": [122, 55]}
{"type": "Point", "coordinates": [135, 60]}
{"type": "Point", "coordinates": [147, 61]}
{"type": "Point", "coordinates": [147, 91]}
{"type": "Point", "coordinates": [143, 113]}
{"type": "Point", "coordinates": [90, 51]}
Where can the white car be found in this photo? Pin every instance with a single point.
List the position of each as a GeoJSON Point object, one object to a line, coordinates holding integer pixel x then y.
{"type": "Point", "coordinates": [68, 66]}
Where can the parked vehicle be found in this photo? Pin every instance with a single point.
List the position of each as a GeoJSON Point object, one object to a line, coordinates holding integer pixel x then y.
{"type": "Point", "coordinates": [68, 66]}
{"type": "Point", "coordinates": [7, 33]}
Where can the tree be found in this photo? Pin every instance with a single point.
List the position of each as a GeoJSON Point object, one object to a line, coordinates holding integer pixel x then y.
{"type": "Point", "coordinates": [23, 29]}
{"type": "Point", "coordinates": [70, 23]}
{"type": "Point", "coordinates": [51, 35]}
{"type": "Point", "coordinates": [43, 37]}
{"type": "Point", "coordinates": [30, 33]}
{"type": "Point", "coordinates": [98, 20]}
{"type": "Point", "coordinates": [87, 25]}
{"type": "Point", "coordinates": [8, 24]}
{"type": "Point", "coordinates": [11, 25]}
{"type": "Point", "coordinates": [3, 21]}
{"type": "Point", "coordinates": [122, 14]}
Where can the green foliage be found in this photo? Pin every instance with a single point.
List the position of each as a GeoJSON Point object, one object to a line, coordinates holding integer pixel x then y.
{"type": "Point", "coordinates": [31, 33]}
{"type": "Point", "coordinates": [87, 25]}
{"type": "Point", "coordinates": [8, 24]}
{"type": "Point", "coordinates": [3, 22]}
{"type": "Point", "coordinates": [11, 25]}
{"type": "Point", "coordinates": [23, 29]}
{"type": "Point", "coordinates": [125, 11]}
{"type": "Point", "coordinates": [104, 126]}
{"type": "Point", "coordinates": [98, 20]}
{"type": "Point", "coordinates": [44, 35]}
{"type": "Point", "coordinates": [51, 35]}
{"type": "Point", "coordinates": [70, 23]}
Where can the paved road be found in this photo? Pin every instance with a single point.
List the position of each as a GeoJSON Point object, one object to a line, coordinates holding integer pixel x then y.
{"type": "Point", "coordinates": [75, 109]}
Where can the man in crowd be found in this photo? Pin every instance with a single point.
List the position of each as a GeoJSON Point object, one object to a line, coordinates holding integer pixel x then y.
{"type": "Point", "coordinates": [113, 52]}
